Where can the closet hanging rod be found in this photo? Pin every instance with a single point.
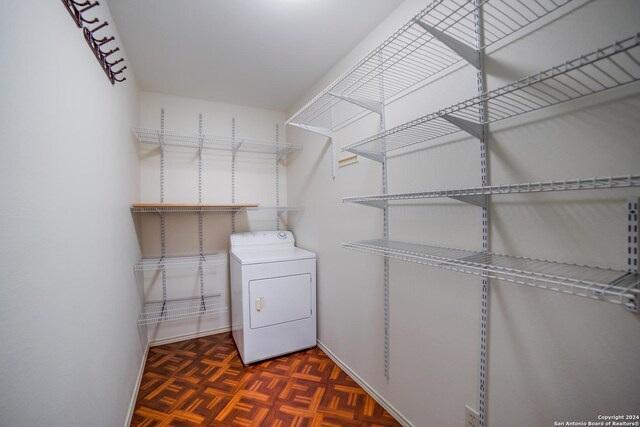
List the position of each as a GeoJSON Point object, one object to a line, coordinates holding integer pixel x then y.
{"type": "Point", "coordinates": [76, 9]}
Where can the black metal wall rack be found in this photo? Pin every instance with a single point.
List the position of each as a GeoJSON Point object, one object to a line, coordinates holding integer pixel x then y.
{"type": "Point", "coordinates": [76, 10]}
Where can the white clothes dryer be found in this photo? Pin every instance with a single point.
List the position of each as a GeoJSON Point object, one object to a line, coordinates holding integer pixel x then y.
{"type": "Point", "coordinates": [273, 295]}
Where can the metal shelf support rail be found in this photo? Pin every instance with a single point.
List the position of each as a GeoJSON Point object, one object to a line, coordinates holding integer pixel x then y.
{"type": "Point", "coordinates": [476, 58]}
{"type": "Point", "coordinates": [480, 193]}
{"type": "Point", "coordinates": [607, 68]}
{"type": "Point", "coordinates": [277, 180]}
{"type": "Point", "coordinates": [617, 287]}
{"type": "Point", "coordinates": [162, 223]}
{"type": "Point", "coordinates": [633, 239]}
{"type": "Point", "coordinates": [385, 231]}
{"type": "Point", "coordinates": [233, 171]}
{"type": "Point", "coordinates": [440, 36]}
{"type": "Point", "coordinates": [200, 225]}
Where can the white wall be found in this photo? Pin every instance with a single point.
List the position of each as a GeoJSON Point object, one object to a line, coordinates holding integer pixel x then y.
{"type": "Point", "coordinates": [255, 183]}
{"type": "Point", "coordinates": [552, 357]}
{"type": "Point", "coordinates": [70, 351]}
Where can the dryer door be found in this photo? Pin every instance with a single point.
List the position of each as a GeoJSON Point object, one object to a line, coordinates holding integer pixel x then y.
{"type": "Point", "coordinates": [279, 300]}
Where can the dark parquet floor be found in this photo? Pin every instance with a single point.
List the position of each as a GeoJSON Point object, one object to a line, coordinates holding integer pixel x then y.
{"type": "Point", "coordinates": [203, 382]}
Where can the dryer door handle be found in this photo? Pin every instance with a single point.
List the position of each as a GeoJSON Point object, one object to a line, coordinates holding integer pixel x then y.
{"type": "Point", "coordinates": [259, 303]}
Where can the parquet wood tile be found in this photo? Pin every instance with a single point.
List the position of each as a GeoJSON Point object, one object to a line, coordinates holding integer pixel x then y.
{"type": "Point", "coordinates": [203, 382]}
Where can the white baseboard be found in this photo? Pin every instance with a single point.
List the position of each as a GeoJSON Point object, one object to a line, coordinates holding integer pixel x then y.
{"type": "Point", "coordinates": [134, 396]}
{"type": "Point", "coordinates": [362, 383]}
{"type": "Point", "coordinates": [189, 336]}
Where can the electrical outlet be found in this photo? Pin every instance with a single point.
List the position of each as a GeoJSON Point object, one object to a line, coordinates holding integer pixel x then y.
{"type": "Point", "coordinates": [471, 417]}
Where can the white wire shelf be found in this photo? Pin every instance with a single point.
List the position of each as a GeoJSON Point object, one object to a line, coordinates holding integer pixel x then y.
{"type": "Point", "coordinates": [212, 142]}
{"type": "Point", "coordinates": [616, 287]}
{"type": "Point", "coordinates": [416, 52]}
{"type": "Point", "coordinates": [191, 207]}
{"type": "Point", "coordinates": [607, 68]}
{"type": "Point", "coordinates": [164, 311]}
{"type": "Point", "coordinates": [610, 182]}
{"type": "Point", "coordinates": [147, 264]}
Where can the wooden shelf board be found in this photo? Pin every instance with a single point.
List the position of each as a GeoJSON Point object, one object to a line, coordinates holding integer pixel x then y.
{"type": "Point", "coordinates": [194, 205]}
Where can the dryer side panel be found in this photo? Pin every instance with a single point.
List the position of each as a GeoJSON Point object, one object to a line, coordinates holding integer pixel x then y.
{"type": "Point", "coordinates": [237, 304]}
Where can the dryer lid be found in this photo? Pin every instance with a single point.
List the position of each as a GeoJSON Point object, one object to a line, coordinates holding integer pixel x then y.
{"type": "Point", "coordinates": [268, 255]}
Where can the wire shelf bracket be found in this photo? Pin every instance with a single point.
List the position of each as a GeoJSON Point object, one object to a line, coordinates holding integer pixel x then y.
{"type": "Point", "coordinates": [236, 147]}
{"type": "Point", "coordinates": [472, 56]}
{"type": "Point", "coordinates": [480, 201]}
{"type": "Point", "coordinates": [472, 128]}
{"type": "Point", "coordinates": [379, 204]}
{"type": "Point", "coordinates": [369, 104]}
{"type": "Point", "coordinates": [371, 155]}
{"type": "Point", "coordinates": [315, 129]}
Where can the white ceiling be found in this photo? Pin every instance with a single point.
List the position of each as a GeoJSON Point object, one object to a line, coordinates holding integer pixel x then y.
{"type": "Point", "coordinates": [260, 53]}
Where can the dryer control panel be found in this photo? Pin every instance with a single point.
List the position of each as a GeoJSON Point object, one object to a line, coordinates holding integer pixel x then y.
{"type": "Point", "coordinates": [257, 239]}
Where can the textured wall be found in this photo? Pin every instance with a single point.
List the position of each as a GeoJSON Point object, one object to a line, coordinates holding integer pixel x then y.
{"type": "Point", "coordinates": [70, 352]}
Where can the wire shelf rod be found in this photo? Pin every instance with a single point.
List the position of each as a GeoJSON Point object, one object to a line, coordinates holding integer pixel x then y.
{"type": "Point", "coordinates": [213, 142]}
{"type": "Point", "coordinates": [162, 311]}
{"type": "Point", "coordinates": [147, 264]}
{"type": "Point", "coordinates": [607, 68]}
{"type": "Point", "coordinates": [411, 55]}
{"type": "Point", "coordinates": [596, 183]}
{"type": "Point", "coordinates": [609, 285]}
